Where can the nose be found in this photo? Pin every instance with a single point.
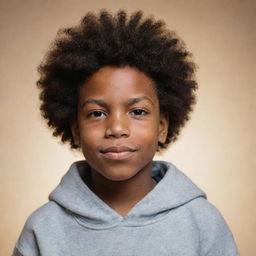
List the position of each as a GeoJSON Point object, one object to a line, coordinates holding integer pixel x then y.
{"type": "Point", "coordinates": [117, 127]}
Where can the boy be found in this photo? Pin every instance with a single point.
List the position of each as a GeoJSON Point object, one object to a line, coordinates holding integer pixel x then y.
{"type": "Point", "coordinates": [121, 89]}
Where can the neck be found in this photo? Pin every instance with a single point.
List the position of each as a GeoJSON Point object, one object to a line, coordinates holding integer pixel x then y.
{"type": "Point", "coordinates": [122, 195]}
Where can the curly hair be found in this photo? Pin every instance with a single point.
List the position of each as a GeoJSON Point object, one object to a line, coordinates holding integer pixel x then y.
{"type": "Point", "coordinates": [118, 40]}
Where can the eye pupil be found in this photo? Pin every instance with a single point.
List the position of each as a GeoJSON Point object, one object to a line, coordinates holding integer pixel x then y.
{"type": "Point", "coordinates": [139, 112]}
{"type": "Point", "coordinates": [97, 113]}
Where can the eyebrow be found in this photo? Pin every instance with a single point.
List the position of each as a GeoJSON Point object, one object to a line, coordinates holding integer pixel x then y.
{"type": "Point", "coordinates": [130, 102]}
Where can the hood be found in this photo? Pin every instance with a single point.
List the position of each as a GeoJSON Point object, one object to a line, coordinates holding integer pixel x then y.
{"type": "Point", "coordinates": [173, 189]}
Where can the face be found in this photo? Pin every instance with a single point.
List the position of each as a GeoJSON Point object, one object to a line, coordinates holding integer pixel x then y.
{"type": "Point", "coordinates": [119, 123]}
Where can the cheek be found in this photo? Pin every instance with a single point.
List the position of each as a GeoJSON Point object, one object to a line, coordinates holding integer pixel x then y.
{"type": "Point", "coordinates": [90, 145]}
{"type": "Point", "coordinates": [90, 136]}
{"type": "Point", "coordinates": [147, 132]}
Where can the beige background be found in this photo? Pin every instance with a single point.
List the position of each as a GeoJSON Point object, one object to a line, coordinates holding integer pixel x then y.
{"type": "Point", "coordinates": [217, 147]}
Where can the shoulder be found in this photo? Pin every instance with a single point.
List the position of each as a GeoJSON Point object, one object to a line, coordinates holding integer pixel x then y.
{"type": "Point", "coordinates": [38, 222]}
{"type": "Point", "coordinates": [205, 213]}
{"type": "Point", "coordinates": [215, 235]}
{"type": "Point", "coordinates": [47, 213]}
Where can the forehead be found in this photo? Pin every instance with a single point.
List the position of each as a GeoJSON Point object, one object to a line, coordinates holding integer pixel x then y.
{"type": "Point", "coordinates": [118, 83]}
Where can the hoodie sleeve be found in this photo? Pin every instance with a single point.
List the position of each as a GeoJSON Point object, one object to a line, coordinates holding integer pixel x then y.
{"type": "Point", "coordinates": [27, 242]}
{"type": "Point", "coordinates": [16, 252]}
{"type": "Point", "coordinates": [216, 238]}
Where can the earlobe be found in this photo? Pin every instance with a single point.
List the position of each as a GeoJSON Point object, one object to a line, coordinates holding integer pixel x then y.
{"type": "Point", "coordinates": [163, 128]}
{"type": "Point", "coordinates": [75, 133]}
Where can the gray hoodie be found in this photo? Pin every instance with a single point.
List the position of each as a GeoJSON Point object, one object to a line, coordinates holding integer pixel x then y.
{"type": "Point", "coordinates": [172, 219]}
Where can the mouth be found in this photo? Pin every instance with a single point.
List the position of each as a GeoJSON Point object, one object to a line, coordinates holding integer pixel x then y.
{"type": "Point", "coordinates": [117, 153]}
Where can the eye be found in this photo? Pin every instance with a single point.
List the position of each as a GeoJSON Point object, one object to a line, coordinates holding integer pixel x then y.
{"type": "Point", "coordinates": [139, 112]}
{"type": "Point", "coordinates": [96, 113]}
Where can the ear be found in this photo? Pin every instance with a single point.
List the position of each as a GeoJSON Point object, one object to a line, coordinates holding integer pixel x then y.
{"type": "Point", "coordinates": [76, 133]}
{"type": "Point", "coordinates": [163, 127]}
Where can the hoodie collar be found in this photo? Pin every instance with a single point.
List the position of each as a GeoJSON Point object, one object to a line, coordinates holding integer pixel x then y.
{"type": "Point", "coordinates": [172, 190]}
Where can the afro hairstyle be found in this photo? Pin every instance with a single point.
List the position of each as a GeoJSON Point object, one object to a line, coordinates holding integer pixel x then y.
{"type": "Point", "coordinates": [106, 39]}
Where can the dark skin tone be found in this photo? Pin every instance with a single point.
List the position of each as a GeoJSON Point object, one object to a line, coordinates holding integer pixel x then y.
{"type": "Point", "coordinates": [118, 128]}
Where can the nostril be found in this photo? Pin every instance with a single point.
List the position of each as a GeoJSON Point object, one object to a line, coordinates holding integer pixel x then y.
{"type": "Point", "coordinates": [116, 135]}
{"type": "Point", "coordinates": [117, 129]}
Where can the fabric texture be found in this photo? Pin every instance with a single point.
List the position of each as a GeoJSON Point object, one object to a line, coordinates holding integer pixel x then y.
{"type": "Point", "coordinates": [174, 218]}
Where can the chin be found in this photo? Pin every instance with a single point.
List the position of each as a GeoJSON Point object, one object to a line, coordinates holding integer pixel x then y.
{"type": "Point", "coordinates": [119, 176]}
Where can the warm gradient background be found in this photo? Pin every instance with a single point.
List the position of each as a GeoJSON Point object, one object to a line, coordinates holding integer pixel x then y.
{"type": "Point", "coordinates": [217, 147]}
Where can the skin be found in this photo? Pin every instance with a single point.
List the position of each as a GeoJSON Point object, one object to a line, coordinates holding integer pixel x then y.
{"type": "Point", "coordinates": [118, 128]}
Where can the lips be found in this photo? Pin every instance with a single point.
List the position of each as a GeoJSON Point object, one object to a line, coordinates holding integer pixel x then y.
{"type": "Point", "coordinates": [117, 153]}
